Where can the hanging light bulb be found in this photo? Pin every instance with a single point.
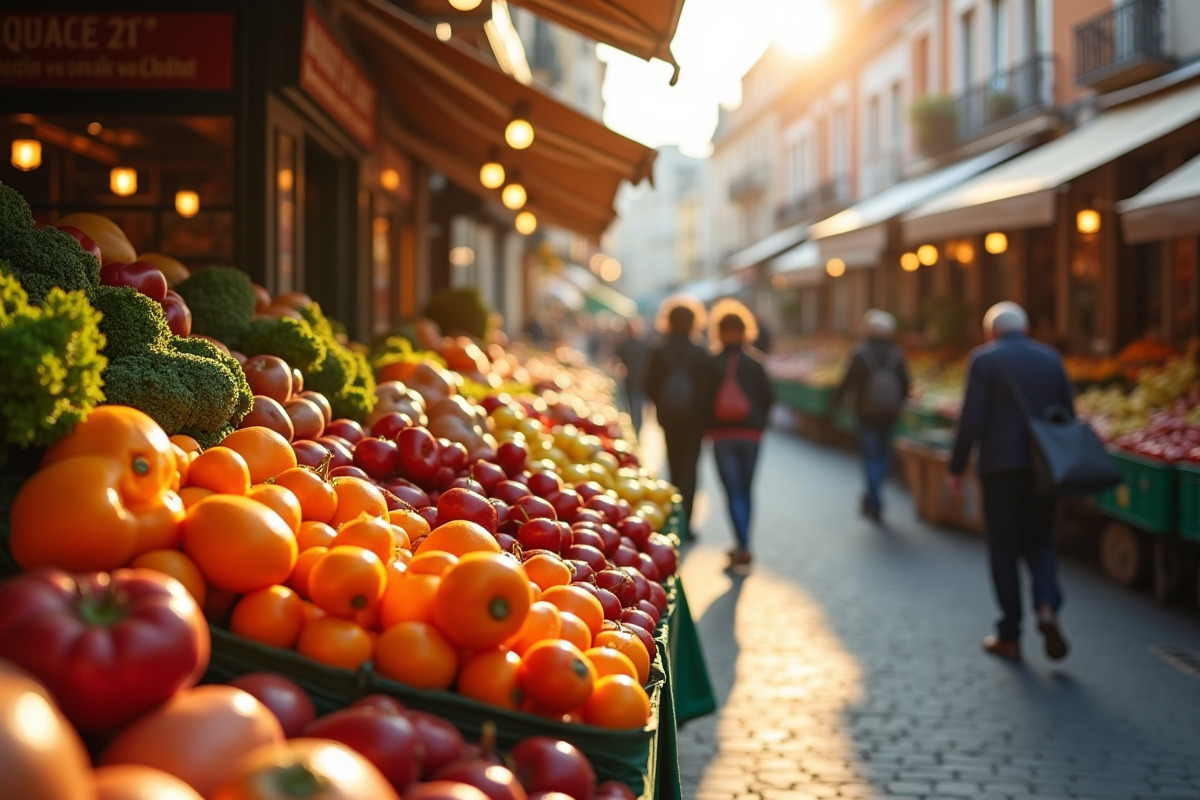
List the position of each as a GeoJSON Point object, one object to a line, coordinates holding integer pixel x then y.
{"type": "Point", "coordinates": [1087, 221]}
{"type": "Point", "coordinates": [836, 267]}
{"type": "Point", "coordinates": [123, 181]}
{"type": "Point", "coordinates": [927, 254]}
{"type": "Point", "coordinates": [909, 262]}
{"type": "Point", "coordinates": [519, 132]}
{"type": "Point", "coordinates": [491, 174]}
{"type": "Point", "coordinates": [513, 196]}
{"type": "Point", "coordinates": [526, 223]}
{"type": "Point", "coordinates": [995, 243]}
{"type": "Point", "coordinates": [26, 154]}
{"type": "Point", "coordinates": [465, 5]}
{"type": "Point", "coordinates": [389, 179]}
{"type": "Point", "coordinates": [187, 204]}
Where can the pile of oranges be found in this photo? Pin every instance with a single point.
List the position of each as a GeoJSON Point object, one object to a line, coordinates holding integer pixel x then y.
{"type": "Point", "coordinates": [295, 560]}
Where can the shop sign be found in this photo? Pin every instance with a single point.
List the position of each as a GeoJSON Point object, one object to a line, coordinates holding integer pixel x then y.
{"type": "Point", "coordinates": [76, 50]}
{"type": "Point", "coordinates": [332, 78]}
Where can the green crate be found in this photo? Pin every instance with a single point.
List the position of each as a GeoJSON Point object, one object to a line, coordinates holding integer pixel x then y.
{"type": "Point", "coordinates": [920, 419]}
{"type": "Point", "coordinates": [1147, 498]}
{"type": "Point", "coordinates": [1189, 500]}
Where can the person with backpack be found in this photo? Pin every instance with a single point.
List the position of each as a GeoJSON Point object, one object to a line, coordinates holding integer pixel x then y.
{"type": "Point", "coordinates": [877, 378]}
{"type": "Point", "coordinates": [675, 379]}
{"type": "Point", "coordinates": [739, 398]}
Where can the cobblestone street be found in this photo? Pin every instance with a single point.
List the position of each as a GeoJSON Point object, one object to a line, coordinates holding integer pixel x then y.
{"type": "Point", "coordinates": [848, 663]}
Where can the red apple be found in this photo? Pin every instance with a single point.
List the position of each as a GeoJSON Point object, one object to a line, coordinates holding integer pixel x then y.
{"type": "Point", "coordinates": [582, 552]}
{"type": "Point", "coordinates": [620, 584]}
{"type": "Point", "coordinates": [565, 501]}
{"type": "Point", "coordinates": [409, 492]}
{"type": "Point", "coordinates": [639, 580]}
{"type": "Point", "coordinates": [587, 537]}
{"type": "Point", "coordinates": [612, 606]}
{"type": "Point", "coordinates": [512, 456]}
{"type": "Point", "coordinates": [506, 542]}
{"type": "Point", "coordinates": [349, 472]}
{"type": "Point", "coordinates": [508, 491]}
{"type": "Point", "coordinates": [440, 740]}
{"type": "Point", "coordinates": [543, 483]}
{"type": "Point", "coordinates": [494, 780]}
{"type": "Point", "coordinates": [442, 477]}
{"type": "Point", "coordinates": [637, 528]}
{"type": "Point", "coordinates": [650, 608]}
{"type": "Point", "coordinates": [339, 448]}
{"type": "Point", "coordinates": [606, 505]}
{"type": "Point", "coordinates": [463, 482]}
{"type": "Point", "coordinates": [452, 455]}
{"type": "Point", "coordinates": [389, 741]}
{"type": "Point", "coordinates": [589, 490]}
{"type": "Point", "coordinates": [418, 454]}
{"type": "Point", "coordinates": [663, 552]}
{"type": "Point", "coordinates": [646, 636]}
{"type": "Point", "coordinates": [269, 375]}
{"type": "Point", "coordinates": [464, 504]}
{"type": "Point", "coordinates": [379, 458]}
{"type": "Point", "coordinates": [613, 790]}
{"type": "Point", "coordinates": [541, 534]}
{"type": "Point", "coordinates": [658, 597]}
{"type": "Point", "coordinates": [290, 704]}
{"type": "Point", "coordinates": [532, 507]}
{"type": "Point", "coordinates": [489, 475]}
{"type": "Point", "coordinates": [543, 764]}
{"type": "Point", "coordinates": [391, 423]}
{"type": "Point", "coordinates": [380, 702]}
{"type": "Point", "coordinates": [587, 515]}
{"type": "Point", "coordinates": [645, 564]}
{"type": "Point", "coordinates": [429, 514]}
{"type": "Point", "coordinates": [322, 403]}
{"type": "Point", "coordinates": [503, 512]}
{"type": "Point", "coordinates": [309, 453]}
{"type": "Point", "coordinates": [443, 790]}
{"type": "Point", "coordinates": [179, 316]}
{"type": "Point", "coordinates": [307, 420]}
{"type": "Point", "coordinates": [348, 429]}
{"type": "Point", "coordinates": [269, 413]}
{"type": "Point", "coordinates": [581, 571]}
{"type": "Point", "coordinates": [635, 616]}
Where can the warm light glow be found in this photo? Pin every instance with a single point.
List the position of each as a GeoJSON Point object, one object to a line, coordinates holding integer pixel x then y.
{"type": "Point", "coordinates": [927, 254]}
{"type": "Point", "coordinates": [443, 31]}
{"type": "Point", "coordinates": [94, 128]}
{"type": "Point", "coordinates": [909, 262]}
{"type": "Point", "coordinates": [995, 243]}
{"type": "Point", "coordinates": [778, 282]}
{"type": "Point", "coordinates": [465, 5]}
{"type": "Point", "coordinates": [123, 181]}
{"type": "Point", "coordinates": [519, 133]}
{"type": "Point", "coordinates": [285, 180]}
{"type": "Point", "coordinates": [1087, 221]}
{"type": "Point", "coordinates": [381, 225]}
{"type": "Point", "coordinates": [462, 256]}
{"type": "Point", "coordinates": [805, 30]}
{"type": "Point", "coordinates": [491, 175]}
{"type": "Point", "coordinates": [596, 261]}
{"type": "Point", "coordinates": [187, 203]}
{"type": "Point", "coordinates": [390, 179]}
{"type": "Point", "coordinates": [964, 253]}
{"type": "Point", "coordinates": [26, 154]}
{"type": "Point", "coordinates": [835, 267]}
{"type": "Point", "coordinates": [526, 223]}
{"type": "Point", "coordinates": [513, 196]}
{"type": "Point", "coordinates": [610, 270]}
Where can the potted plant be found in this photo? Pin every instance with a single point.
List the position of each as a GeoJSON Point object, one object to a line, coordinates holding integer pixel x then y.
{"type": "Point", "coordinates": [1001, 105]}
{"type": "Point", "coordinates": [935, 123]}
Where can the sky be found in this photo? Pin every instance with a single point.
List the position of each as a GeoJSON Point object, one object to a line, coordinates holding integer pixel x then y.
{"type": "Point", "coordinates": [716, 42]}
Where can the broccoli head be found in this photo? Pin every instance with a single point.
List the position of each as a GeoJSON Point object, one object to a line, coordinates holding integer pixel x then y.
{"type": "Point", "coordinates": [319, 323]}
{"type": "Point", "coordinates": [345, 378]}
{"type": "Point", "coordinates": [244, 400]}
{"type": "Point", "coordinates": [132, 322]}
{"type": "Point", "coordinates": [289, 339]}
{"type": "Point", "coordinates": [221, 300]}
{"type": "Point", "coordinates": [43, 258]}
{"type": "Point", "coordinates": [460, 311]}
{"type": "Point", "coordinates": [15, 215]}
{"type": "Point", "coordinates": [52, 362]}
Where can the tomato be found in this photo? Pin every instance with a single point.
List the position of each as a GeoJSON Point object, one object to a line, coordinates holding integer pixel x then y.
{"type": "Point", "coordinates": [555, 676]}
{"type": "Point", "coordinates": [346, 580]}
{"type": "Point", "coordinates": [305, 769]}
{"type": "Point", "coordinates": [482, 600]}
{"type": "Point", "coordinates": [290, 704]}
{"type": "Point", "coordinates": [109, 647]}
{"type": "Point", "coordinates": [41, 756]}
{"type": "Point", "coordinates": [197, 736]}
{"type": "Point", "coordinates": [136, 782]}
{"type": "Point", "coordinates": [491, 677]}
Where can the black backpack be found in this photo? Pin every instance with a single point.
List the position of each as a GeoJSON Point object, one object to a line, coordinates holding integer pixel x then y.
{"type": "Point", "coordinates": [883, 395]}
{"type": "Point", "coordinates": [677, 397]}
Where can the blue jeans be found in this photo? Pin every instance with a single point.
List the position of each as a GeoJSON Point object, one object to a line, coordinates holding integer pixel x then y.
{"type": "Point", "coordinates": [876, 447]}
{"type": "Point", "coordinates": [736, 459]}
{"type": "Point", "coordinates": [1020, 526]}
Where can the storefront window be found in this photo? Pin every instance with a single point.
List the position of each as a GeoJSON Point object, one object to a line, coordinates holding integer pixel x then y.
{"type": "Point", "coordinates": [1042, 284]}
{"type": "Point", "coordinates": [382, 260]}
{"type": "Point", "coordinates": [1083, 297]}
{"type": "Point", "coordinates": [1183, 290]}
{"type": "Point", "coordinates": [285, 213]}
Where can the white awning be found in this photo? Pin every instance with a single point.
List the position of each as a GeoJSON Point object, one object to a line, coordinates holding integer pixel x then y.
{"type": "Point", "coordinates": [1020, 194]}
{"type": "Point", "coordinates": [707, 290]}
{"type": "Point", "coordinates": [859, 235]}
{"type": "Point", "coordinates": [1167, 208]}
{"type": "Point", "coordinates": [767, 247]}
{"type": "Point", "coordinates": [800, 266]}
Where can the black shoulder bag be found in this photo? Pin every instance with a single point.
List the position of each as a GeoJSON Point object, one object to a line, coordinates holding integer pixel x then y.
{"type": "Point", "coordinates": [1068, 457]}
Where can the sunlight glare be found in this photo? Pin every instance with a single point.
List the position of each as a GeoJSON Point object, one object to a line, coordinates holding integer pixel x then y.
{"type": "Point", "coordinates": [804, 29]}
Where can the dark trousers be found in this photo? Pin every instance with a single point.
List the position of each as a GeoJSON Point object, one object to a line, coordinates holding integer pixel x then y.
{"type": "Point", "coordinates": [1020, 526]}
{"type": "Point", "coordinates": [683, 453]}
{"type": "Point", "coordinates": [736, 459]}
{"type": "Point", "coordinates": [635, 398]}
{"type": "Point", "coordinates": [875, 443]}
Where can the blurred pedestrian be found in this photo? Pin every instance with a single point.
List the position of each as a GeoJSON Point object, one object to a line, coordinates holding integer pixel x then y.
{"type": "Point", "coordinates": [1019, 522]}
{"type": "Point", "coordinates": [877, 379]}
{"type": "Point", "coordinates": [633, 351]}
{"type": "Point", "coordinates": [675, 380]}
{"type": "Point", "coordinates": [739, 399]}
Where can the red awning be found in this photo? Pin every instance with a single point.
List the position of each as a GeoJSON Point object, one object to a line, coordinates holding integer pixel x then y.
{"type": "Point", "coordinates": [454, 107]}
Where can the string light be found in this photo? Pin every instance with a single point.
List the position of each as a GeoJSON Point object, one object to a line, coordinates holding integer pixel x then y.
{"type": "Point", "coordinates": [26, 154]}
{"type": "Point", "coordinates": [519, 131]}
{"type": "Point", "coordinates": [187, 204]}
{"type": "Point", "coordinates": [513, 197]}
{"type": "Point", "coordinates": [927, 254]}
{"type": "Point", "coordinates": [526, 223]}
{"type": "Point", "coordinates": [123, 181]}
{"type": "Point", "coordinates": [836, 267]}
{"type": "Point", "coordinates": [909, 262]}
{"type": "Point", "coordinates": [995, 243]}
{"type": "Point", "coordinates": [491, 175]}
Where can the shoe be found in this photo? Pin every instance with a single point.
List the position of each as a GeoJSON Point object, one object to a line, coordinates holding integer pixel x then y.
{"type": "Point", "coordinates": [739, 557]}
{"type": "Point", "coordinates": [691, 535]}
{"type": "Point", "coordinates": [1052, 638]}
{"type": "Point", "coordinates": [1008, 649]}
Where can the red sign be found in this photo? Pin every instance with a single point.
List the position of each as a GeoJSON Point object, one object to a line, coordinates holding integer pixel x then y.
{"type": "Point", "coordinates": [332, 78]}
{"type": "Point", "coordinates": [77, 50]}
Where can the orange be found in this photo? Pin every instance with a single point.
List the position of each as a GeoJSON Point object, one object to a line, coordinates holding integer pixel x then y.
{"type": "Point", "coordinates": [574, 630]}
{"type": "Point", "coordinates": [413, 523]}
{"type": "Point", "coordinates": [179, 567]}
{"type": "Point", "coordinates": [273, 616]}
{"type": "Point", "coordinates": [555, 676]}
{"type": "Point", "coordinates": [266, 452]}
{"type": "Point", "coordinates": [346, 580]}
{"type": "Point", "coordinates": [314, 534]}
{"type": "Point", "coordinates": [336, 642]}
{"type": "Point", "coordinates": [298, 580]}
{"type": "Point", "coordinates": [185, 443]}
{"type": "Point", "coordinates": [579, 603]}
{"type": "Point", "coordinates": [460, 536]}
{"type": "Point", "coordinates": [408, 597]}
{"type": "Point", "coordinates": [220, 470]}
{"type": "Point", "coordinates": [317, 499]}
{"type": "Point", "coordinates": [401, 538]}
{"type": "Point", "coordinates": [631, 646]}
{"type": "Point", "coordinates": [542, 622]}
{"type": "Point", "coordinates": [279, 500]}
{"type": "Point", "coordinates": [546, 570]}
{"type": "Point", "coordinates": [617, 701]}
{"type": "Point", "coordinates": [482, 600]}
{"type": "Point", "coordinates": [311, 612]}
{"type": "Point", "coordinates": [372, 533]}
{"type": "Point", "coordinates": [182, 463]}
{"type": "Point", "coordinates": [190, 495]}
{"type": "Point", "coordinates": [416, 654]}
{"type": "Point", "coordinates": [431, 562]}
{"type": "Point", "coordinates": [238, 544]}
{"type": "Point", "coordinates": [356, 496]}
{"type": "Point", "coordinates": [608, 661]}
{"type": "Point", "coordinates": [491, 677]}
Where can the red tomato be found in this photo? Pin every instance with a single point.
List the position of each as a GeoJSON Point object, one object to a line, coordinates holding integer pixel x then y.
{"type": "Point", "coordinates": [108, 646]}
{"type": "Point", "coordinates": [290, 704]}
{"type": "Point", "coordinates": [305, 769]}
{"type": "Point", "coordinates": [41, 756]}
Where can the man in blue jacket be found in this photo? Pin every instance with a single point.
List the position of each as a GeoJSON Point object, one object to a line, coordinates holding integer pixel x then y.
{"type": "Point", "coordinates": [1019, 521]}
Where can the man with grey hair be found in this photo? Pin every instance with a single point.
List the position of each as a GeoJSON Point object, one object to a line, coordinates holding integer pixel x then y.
{"type": "Point", "coordinates": [877, 377]}
{"type": "Point", "coordinates": [1019, 522]}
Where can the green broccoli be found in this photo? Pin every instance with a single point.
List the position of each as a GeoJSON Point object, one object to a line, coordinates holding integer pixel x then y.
{"type": "Point", "coordinates": [244, 399]}
{"type": "Point", "coordinates": [132, 322]}
{"type": "Point", "coordinates": [292, 340]}
{"type": "Point", "coordinates": [52, 363]}
{"type": "Point", "coordinates": [345, 378]}
{"type": "Point", "coordinates": [319, 323]}
{"type": "Point", "coordinates": [15, 215]}
{"type": "Point", "coordinates": [221, 300]}
{"type": "Point", "coordinates": [43, 258]}
{"type": "Point", "coordinates": [460, 311]}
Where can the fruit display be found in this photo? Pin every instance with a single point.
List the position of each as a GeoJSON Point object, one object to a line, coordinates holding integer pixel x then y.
{"type": "Point", "coordinates": [817, 363]}
{"type": "Point", "coordinates": [1162, 401]}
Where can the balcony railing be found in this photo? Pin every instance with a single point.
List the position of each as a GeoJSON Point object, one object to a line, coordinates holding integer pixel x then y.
{"type": "Point", "coordinates": [825, 199]}
{"type": "Point", "coordinates": [750, 183]}
{"type": "Point", "coordinates": [1122, 47]}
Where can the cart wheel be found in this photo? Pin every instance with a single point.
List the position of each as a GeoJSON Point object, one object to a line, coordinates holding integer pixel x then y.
{"type": "Point", "coordinates": [1121, 553]}
{"type": "Point", "coordinates": [1167, 570]}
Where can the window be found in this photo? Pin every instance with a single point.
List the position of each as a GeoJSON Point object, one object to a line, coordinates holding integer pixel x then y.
{"type": "Point", "coordinates": [873, 128]}
{"type": "Point", "coordinates": [920, 70]}
{"type": "Point", "coordinates": [897, 114]}
{"type": "Point", "coordinates": [1037, 26]}
{"type": "Point", "coordinates": [998, 29]}
{"type": "Point", "coordinates": [841, 144]}
{"type": "Point", "coordinates": [967, 49]}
